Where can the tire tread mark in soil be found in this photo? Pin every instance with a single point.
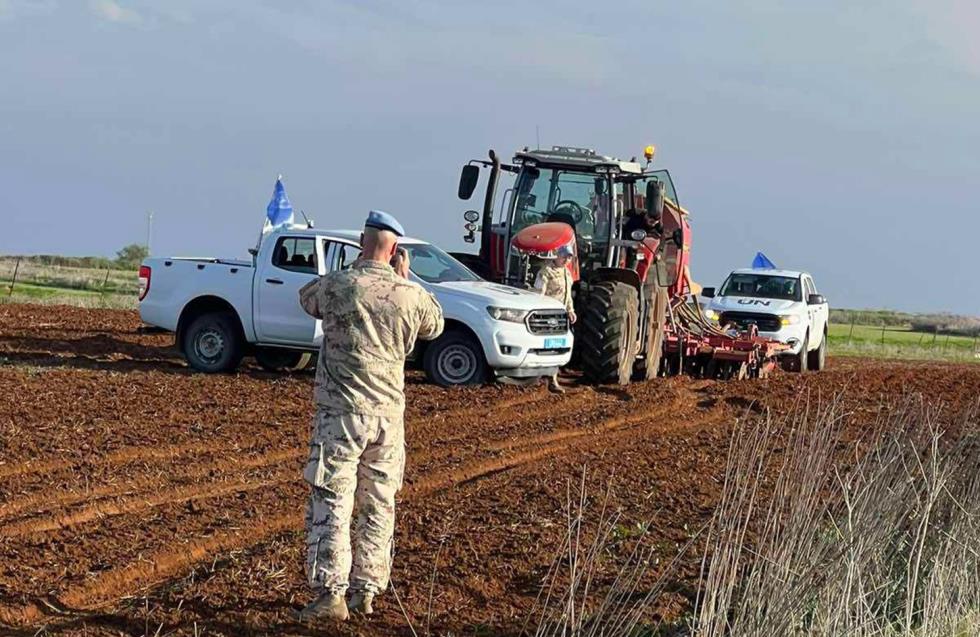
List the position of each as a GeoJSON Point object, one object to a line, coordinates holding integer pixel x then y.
{"type": "Point", "coordinates": [134, 504]}
{"type": "Point", "coordinates": [43, 501]}
{"type": "Point", "coordinates": [121, 456]}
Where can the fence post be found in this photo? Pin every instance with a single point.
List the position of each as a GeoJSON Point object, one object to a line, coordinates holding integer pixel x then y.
{"type": "Point", "coordinates": [945, 343]}
{"type": "Point", "coordinates": [882, 332]}
{"type": "Point", "coordinates": [935, 333]}
{"type": "Point", "coordinates": [851, 331]}
{"type": "Point", "coordinates": [13, 282]}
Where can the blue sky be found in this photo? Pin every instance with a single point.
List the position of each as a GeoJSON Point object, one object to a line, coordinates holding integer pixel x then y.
{"type": "Point", "coordinates": [838, 137]}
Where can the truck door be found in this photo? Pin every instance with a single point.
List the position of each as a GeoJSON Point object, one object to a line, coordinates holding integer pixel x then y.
{"type": "Point", "coordinates": [278, 316]}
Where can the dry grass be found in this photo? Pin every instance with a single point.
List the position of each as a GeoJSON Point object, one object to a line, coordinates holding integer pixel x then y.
{"type": "Point", "coordinates": [814, 535]}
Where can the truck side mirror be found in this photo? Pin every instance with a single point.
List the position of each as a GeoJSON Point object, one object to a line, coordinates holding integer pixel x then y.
{"type": "Point", "coordinates": [708, 293]}
{"type": "Point", "coordinates": [467, 181]}
{"type": "Point", "coordinates": [655, 199]}
{"type": "Point", "coordinates": [815, 299]}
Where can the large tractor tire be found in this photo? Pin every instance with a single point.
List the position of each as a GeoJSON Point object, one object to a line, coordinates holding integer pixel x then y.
{"type": "Point", "coordinates": [653, 349]}
{"type": "Point", "coordinates": [607, 333]}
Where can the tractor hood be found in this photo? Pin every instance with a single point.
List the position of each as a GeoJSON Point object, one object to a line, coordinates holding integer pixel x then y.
{"type": "Point", "coordinates": [487, 293]}
{"type": "Point", "coordinates": [753, 304]}
{"type": "Point", "coordinates": [543, 238]}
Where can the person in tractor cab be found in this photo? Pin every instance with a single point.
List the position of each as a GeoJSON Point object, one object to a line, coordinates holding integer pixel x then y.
{"type": "Point", "coordinates": [555, 280]}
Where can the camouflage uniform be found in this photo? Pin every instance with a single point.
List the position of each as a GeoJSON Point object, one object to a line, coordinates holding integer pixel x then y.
{"type": "Point", "coordinates": [555, 281]}
{"type": "Point", "coordinates": [371, 319]}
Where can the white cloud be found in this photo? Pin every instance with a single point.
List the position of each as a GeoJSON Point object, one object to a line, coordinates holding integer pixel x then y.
{"type": "Point", "coordinates": [112, 11]}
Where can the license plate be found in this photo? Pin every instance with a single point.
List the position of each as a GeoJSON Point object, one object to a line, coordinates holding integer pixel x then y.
{"type": "Point", "coordinates": [554, 343]}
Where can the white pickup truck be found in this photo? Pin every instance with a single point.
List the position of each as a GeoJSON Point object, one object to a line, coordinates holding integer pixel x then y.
{"type": "Point", "coordinates": [223, 309]}
{"type": "Point", "coordinates": [783, 304]}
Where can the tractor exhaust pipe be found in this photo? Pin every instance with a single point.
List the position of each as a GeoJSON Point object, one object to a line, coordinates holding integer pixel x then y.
{"type": "Point", "coordinates": [488, 207]}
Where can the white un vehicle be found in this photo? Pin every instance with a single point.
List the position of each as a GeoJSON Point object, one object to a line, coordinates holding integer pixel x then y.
{"type": "Point", "coordinates": [223, 309]}
{"type": "Point", "coordinates": [783, 304]}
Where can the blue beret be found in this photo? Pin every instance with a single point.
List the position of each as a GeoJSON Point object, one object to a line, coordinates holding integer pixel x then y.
{"type": "Point", "coordinates": [384, 221]}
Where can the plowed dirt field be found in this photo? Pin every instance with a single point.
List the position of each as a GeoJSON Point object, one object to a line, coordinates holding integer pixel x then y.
{"type": "Point", "coordinates": [137, 497]}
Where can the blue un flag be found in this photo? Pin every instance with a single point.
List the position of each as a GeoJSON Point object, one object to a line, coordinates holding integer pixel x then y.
{"type": "Point", "coordinates": [279, 211]}
{"type": "Point", "coordinates": [762, 262]}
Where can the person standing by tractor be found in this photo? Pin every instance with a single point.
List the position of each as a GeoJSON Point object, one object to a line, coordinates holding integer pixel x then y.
{"type": "Point", "coordinates": [555, 280]}
{"type": "Point", "coordinates": [372, 315]}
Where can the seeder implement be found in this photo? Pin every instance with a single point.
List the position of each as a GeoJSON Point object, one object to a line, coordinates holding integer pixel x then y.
{"type": "Point", "coordinates": [694, 346]}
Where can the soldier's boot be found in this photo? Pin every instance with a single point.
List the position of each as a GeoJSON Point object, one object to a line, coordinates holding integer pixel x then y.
{"type": "Point", "coordinates": [360, 603]}
{"type": "Point", "coordinates": [553, 385]}
{"type": "Point", "coordinates": [327, 605]}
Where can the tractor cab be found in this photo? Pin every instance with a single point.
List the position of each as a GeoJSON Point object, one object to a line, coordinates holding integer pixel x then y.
{"type": "Point", "coordinates": [566, 196]}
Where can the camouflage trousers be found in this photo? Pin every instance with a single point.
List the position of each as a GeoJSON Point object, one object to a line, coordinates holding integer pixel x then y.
{"type": "Point", "coordinates": [356, 462]}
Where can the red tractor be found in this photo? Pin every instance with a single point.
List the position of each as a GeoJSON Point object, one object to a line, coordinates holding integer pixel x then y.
{"type": "Point", "coordinates": [631, 239]}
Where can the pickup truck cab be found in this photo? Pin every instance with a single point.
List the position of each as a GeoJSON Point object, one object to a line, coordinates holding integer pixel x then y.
{"type": "Point", "coordinates": [223, 309]}
{"type": "Point", "coordinates": [783, 304]}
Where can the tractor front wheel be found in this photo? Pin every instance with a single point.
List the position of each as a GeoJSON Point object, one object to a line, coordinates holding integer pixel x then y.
{"type": "Point", "coordinates": [608, 332]}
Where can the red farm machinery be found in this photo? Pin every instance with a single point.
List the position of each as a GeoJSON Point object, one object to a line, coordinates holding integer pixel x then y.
{"type": "Point", "coordinates": [637, 314]}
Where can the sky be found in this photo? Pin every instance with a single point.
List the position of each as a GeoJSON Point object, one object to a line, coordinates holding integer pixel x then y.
{"type": "Point", "coordinates": [838, 137]}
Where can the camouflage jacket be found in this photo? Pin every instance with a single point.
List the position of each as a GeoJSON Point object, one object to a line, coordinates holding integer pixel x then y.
{"type": "Point", "coordinates": [556, 282]}
{"type": "Point", "coordinates": [371, 319]}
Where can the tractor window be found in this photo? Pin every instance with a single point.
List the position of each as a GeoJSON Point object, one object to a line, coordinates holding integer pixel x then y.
{"type": "Point", "coordinates": [580, 199]}
{"type": "Point", "coordinates": [762, 286]}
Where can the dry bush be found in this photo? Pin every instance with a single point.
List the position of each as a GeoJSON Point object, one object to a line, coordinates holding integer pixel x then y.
{"type": "Point", "coordinates": [947, 324]}
{"type": "Point", "coordinates": [814, 535]}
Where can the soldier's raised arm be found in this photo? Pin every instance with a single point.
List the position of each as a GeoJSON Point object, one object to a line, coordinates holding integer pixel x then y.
{"type": "Point", "coordinates": [430, 317]}
{"type": "Point", "coordinates": [309, 298]}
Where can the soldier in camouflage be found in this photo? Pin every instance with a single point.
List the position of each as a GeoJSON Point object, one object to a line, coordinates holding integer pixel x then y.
{"type": "Point", "coordinates": [555, 280]}
{"type": "Point", "coordinates": [372, 315]}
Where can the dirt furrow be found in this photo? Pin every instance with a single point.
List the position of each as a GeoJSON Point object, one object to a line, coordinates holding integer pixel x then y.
{"type": "Point", "coordinates": [135, 504]}
{"type": "Point", "coordinates": [160, 565]}
{"type": "Point", "coordinates": [44, 500]}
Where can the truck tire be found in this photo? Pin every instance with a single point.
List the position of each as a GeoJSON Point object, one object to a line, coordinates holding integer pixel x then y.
{"type": "Point", "coordinates": [608, 332]}
{"type": "Point", "coordinates": [213, 343]}
{"type": "Point", "coordinates": [455, 358]}
{"type": "Point", "coordinates": [817, 359]}
{"type": "Point", "coordinates": [277, 359]}
{"type": "Point", "coordinates": [798, 362]}
{"type": "Point", "coordinates": [649, 366]}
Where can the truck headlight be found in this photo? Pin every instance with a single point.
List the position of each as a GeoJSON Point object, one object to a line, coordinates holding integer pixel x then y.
{"type": "Point", "coordinates": [711, 315]}
{"type": "Point", "coordinates": [790, 319]}
{"type": "Point", "coordinates": [507, 314]}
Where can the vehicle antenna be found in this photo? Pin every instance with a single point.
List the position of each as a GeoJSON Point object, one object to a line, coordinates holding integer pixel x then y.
{"type": "Point", "coordinates": [309, 224]}
{"type": "Point", "coordinates": [537, 135]}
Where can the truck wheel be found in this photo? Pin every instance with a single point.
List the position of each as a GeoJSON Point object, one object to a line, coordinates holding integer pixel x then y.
{"type": "Point", "coordinates": [455, 358]}
{"type": "Point", "coordinates": [653, 351]}
{"type": "Point", "coordinates": [817, 359]}
{"type": "Point", "coordinates": [213, 343]}
{"type": "Point", "coordinates": [608, 332]}
{"type": "Point", "coordinates": [275, 359]}
{"type": "Point", "coordinates": [798, 362]}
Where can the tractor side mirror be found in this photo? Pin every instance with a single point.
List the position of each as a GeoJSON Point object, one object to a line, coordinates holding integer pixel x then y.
{"type": "Point", "coordinates": [708, 293]}
{"type": "Point", "coordinates": [815, 299]}
{"type": "Point", "coordinates": [655, 199]}
{"type": "Point", "coordinates": [678, 238]}
{"type": "Point", "coordinates": [467, 180]}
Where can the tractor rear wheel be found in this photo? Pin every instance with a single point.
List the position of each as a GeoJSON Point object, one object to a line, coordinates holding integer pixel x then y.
{"type": "Point", "coordinates": [607, 333]}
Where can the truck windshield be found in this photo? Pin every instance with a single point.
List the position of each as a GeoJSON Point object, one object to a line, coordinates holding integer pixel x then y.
{"type": "Point", "coordinates": [551, 194]}
{"type": "Point", "coordinates": [763, 286]}
{"type": "Point", "coordinates": [432, 265]}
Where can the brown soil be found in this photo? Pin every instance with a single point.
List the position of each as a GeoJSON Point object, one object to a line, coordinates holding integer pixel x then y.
{"type": "Point", "coordinates": [137, 497]}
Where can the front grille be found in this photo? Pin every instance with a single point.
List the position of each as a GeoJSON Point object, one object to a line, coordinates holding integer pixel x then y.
{"type": "Point", "coordinates": [547, 322]}
{"type": "Point", "coordinates": [765, 322]}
